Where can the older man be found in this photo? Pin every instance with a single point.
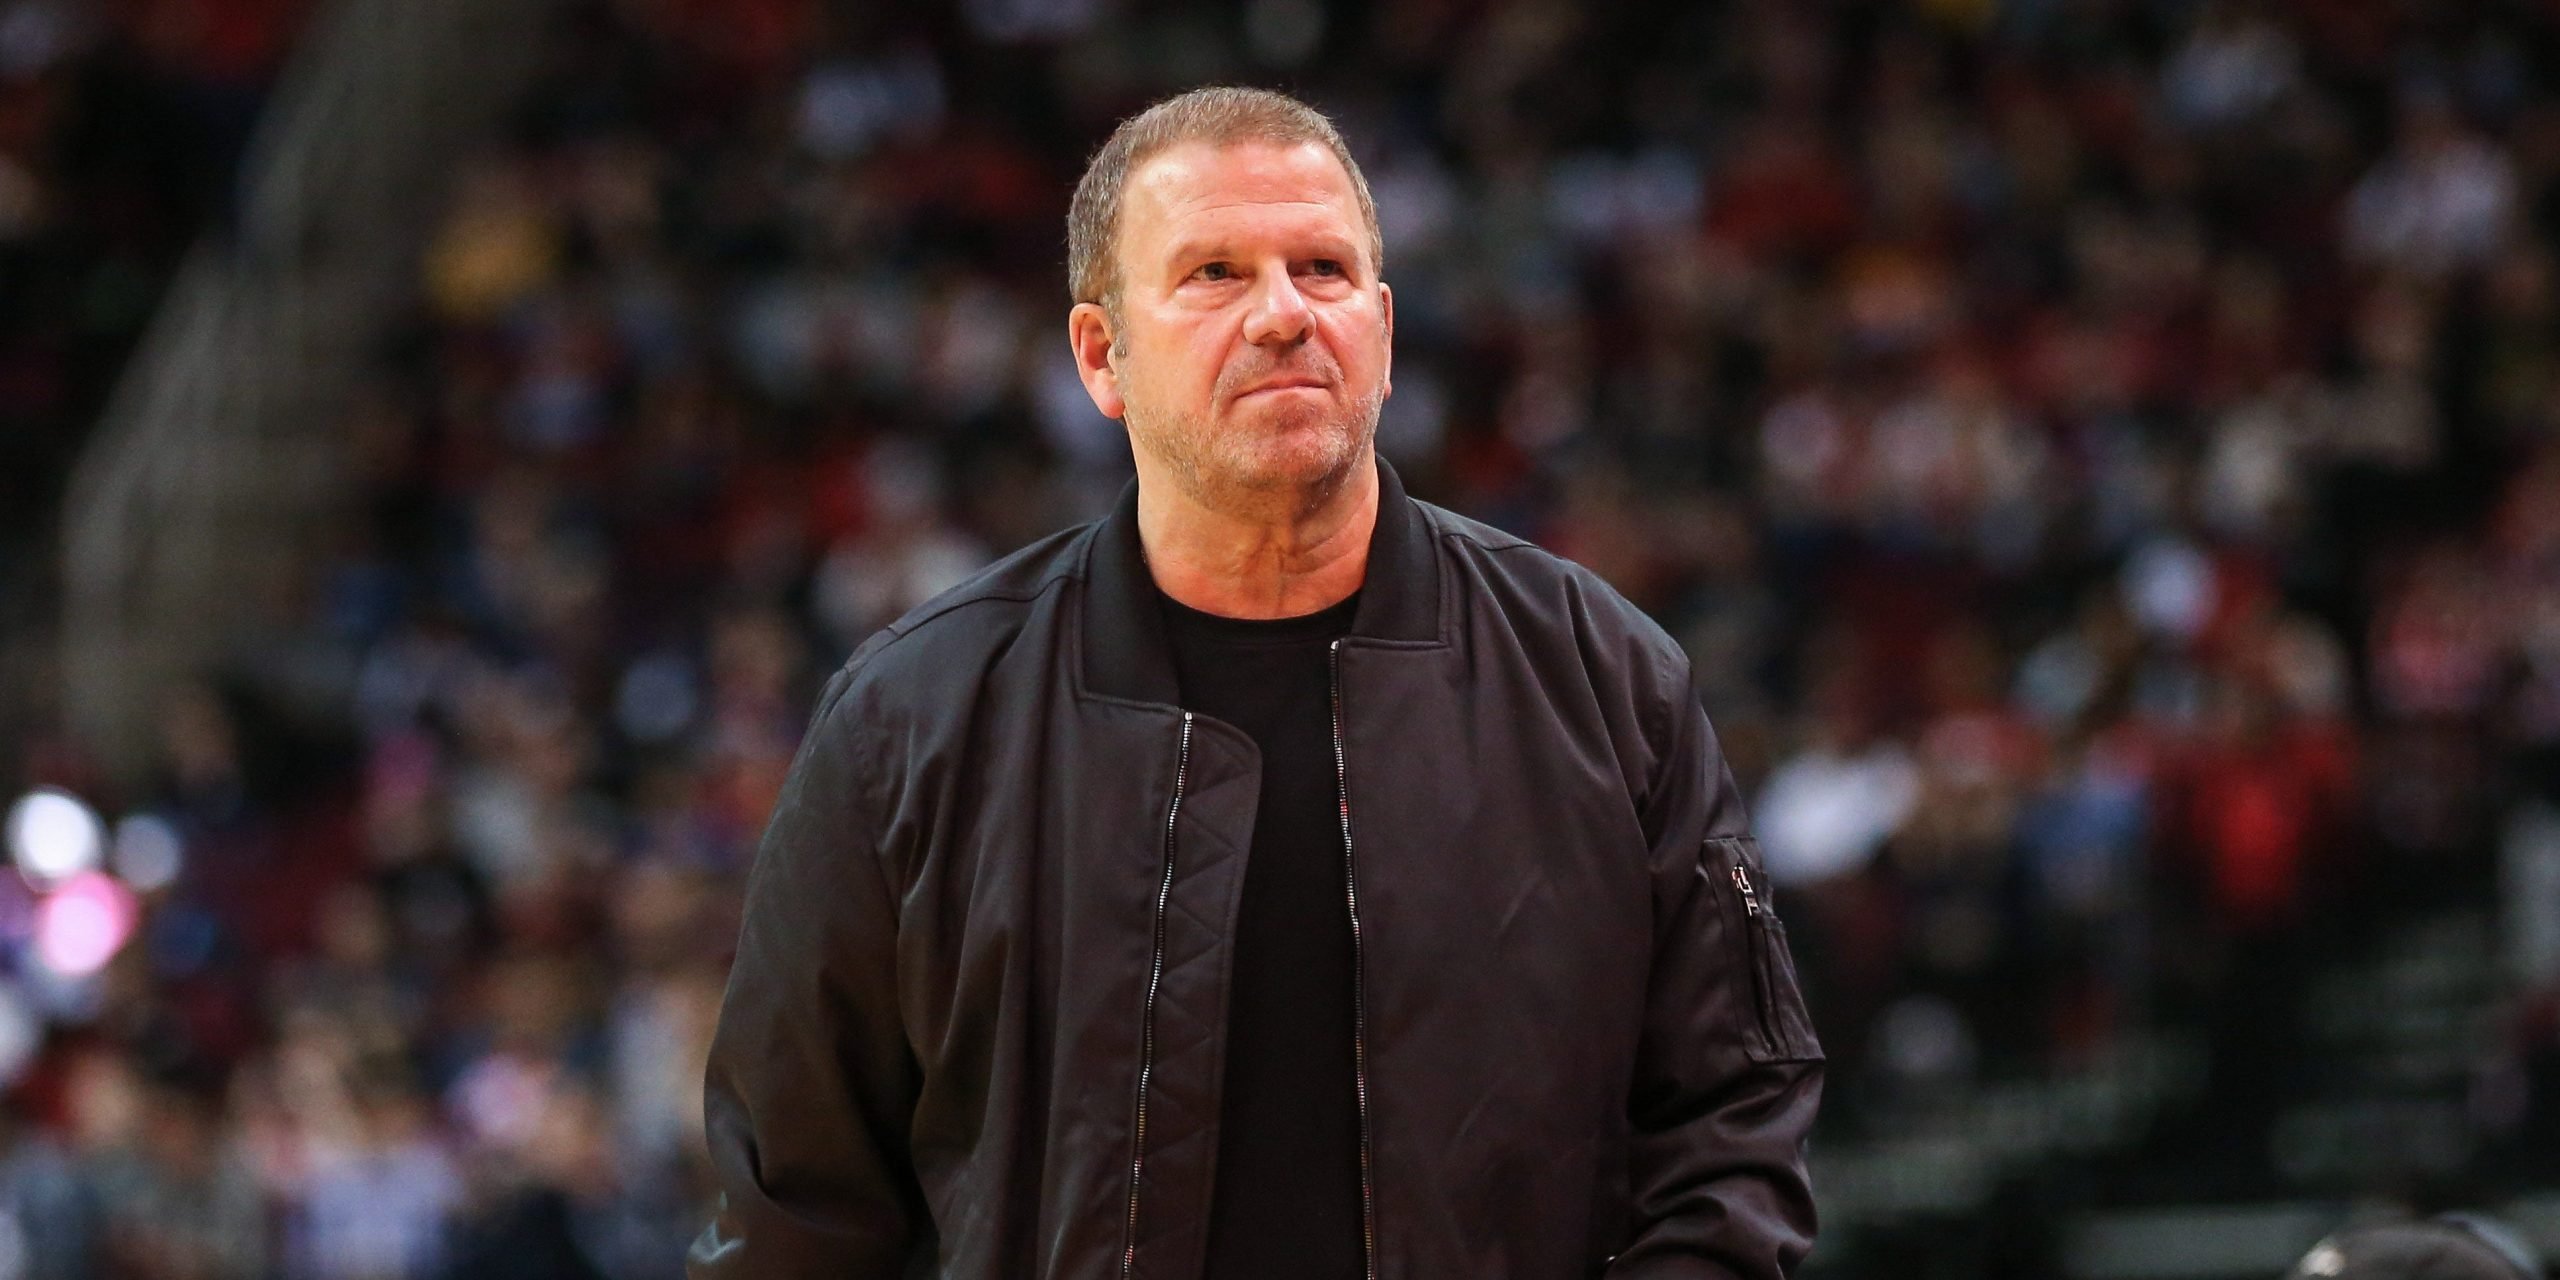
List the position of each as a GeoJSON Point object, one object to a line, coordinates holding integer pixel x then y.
{"type": "Point", "coordinates": [1279, 877]}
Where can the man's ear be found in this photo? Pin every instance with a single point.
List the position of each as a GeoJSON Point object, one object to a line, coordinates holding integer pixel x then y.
{"type": "Point", "coordinates": [1089, 333]}
{"type": "Point", "coordinates": [1387, 317]}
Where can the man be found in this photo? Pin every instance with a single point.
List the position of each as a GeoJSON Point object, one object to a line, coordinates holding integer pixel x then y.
{"type": "Point", "coordinates": [1281, 876]}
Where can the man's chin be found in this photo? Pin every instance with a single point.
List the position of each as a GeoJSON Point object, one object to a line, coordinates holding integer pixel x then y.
{"type": "Point", "coordinates": [1314, 467]}
{"type": "Point", "coordinates": [1263, 466]}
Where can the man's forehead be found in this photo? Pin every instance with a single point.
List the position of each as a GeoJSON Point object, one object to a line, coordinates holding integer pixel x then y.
{"type": "Point", "coordinates": [1190, 179]}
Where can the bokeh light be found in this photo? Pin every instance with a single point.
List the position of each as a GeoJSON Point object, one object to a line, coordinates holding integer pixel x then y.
{"type": "Point", "coordinates": [53, 835]}
{"type": "Point", "coordinates": [82, 924]}
{"type": "Point", "coordinates": [147, 853]}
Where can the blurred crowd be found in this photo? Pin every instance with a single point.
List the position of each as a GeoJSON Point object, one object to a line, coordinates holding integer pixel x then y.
{"type": "Point", "coordinates": [2104, 456]}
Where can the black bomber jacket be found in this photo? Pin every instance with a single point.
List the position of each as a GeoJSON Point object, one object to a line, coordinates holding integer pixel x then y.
{"type": "Point", "coordinates": [975, 1023]}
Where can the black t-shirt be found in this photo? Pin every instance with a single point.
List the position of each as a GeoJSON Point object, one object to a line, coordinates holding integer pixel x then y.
{"type": "Point", "coordinates": [1287, 1199]}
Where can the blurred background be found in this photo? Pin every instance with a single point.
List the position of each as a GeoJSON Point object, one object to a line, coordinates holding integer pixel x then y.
{"type": "Point", "coordinates": [2104, 456]}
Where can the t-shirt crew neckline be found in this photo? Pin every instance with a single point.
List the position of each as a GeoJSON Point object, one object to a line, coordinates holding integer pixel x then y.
{"type": "Point", "coordinates": [1324, 624]}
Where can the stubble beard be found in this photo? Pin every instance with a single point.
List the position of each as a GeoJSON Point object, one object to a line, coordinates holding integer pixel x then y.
{"type": "Point", "coordinates": [1256, 471]}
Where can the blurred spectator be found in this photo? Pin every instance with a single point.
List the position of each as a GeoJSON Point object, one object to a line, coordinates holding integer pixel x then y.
{"type": "Point", "coordinates": [174, 1199]}
{"type": "Point", "coordinates": [376, 1188]}
{"type": "Point", "coordinates": [2441, 199]}
{"type": "Point", "coordinates": [44, 1218]}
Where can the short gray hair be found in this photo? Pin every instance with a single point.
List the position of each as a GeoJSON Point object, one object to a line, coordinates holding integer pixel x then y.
{"type": "Point", "coordinates": [1220, 115]}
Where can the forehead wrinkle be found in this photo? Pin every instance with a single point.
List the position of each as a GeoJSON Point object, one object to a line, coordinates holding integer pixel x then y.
{"type": "Point", "coordinates": [1205, 206]}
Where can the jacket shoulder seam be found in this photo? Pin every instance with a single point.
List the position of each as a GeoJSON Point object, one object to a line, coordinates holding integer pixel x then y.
{"type": "Point", "coordinates": [964, 596]}
{"type": "Point", "coordinates": [890, 636]}
{"type": "Point", "coordinates": [905, 627]}
{"type": "Point", "coordinates": [1452, 527]}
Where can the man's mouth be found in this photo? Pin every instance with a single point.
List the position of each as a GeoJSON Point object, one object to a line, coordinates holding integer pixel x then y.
{"type": "Point", "coordinates": [1285, 384]}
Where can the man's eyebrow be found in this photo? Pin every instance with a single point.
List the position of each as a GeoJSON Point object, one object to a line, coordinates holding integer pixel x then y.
{"type": "Point", "coordinates": [1199, 251]}
{"type": "Point", "coordinates": [1318, 246]}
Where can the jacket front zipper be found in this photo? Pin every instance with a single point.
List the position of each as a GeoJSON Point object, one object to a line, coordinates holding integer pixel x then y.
{"type": "Point", "coordinates": [1359, 982]}
{"type": "Point", "coordinates": [1147, 1018]}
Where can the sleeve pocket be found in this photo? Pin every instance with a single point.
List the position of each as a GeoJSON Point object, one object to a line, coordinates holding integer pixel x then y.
{"type": "Point", "coordinates": [1783, 1032]}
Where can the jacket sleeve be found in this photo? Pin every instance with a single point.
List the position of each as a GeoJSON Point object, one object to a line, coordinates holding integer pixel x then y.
{"type": "Point", "coordinates": [1728, 1072]}
{"type": "Point", "coordinates": [811, 1081]}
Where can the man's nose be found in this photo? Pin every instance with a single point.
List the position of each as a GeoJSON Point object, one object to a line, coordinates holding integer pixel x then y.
{"type": "Point", "coordinates": [1279, 316]}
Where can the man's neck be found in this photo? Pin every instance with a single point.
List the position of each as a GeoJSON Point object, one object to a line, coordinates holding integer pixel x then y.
{"type": "Point", "coordinates": [1282, 565]}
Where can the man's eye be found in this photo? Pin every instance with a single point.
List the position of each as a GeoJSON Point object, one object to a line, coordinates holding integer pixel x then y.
{"type": "Point", "coordinates": [1214, 271]}
{"type": "Point", "coordinates": [1325, 267]}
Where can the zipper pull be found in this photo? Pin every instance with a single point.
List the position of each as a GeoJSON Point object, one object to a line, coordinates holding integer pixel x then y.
{"type": "Point", "coordinates": [1750, 900]}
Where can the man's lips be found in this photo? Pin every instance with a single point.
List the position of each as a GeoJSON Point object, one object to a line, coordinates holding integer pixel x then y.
{"type": "Point", "coordinates": [1284, 384]}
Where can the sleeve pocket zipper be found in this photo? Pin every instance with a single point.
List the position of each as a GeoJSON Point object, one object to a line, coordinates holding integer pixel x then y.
{"type": "Point", "coordinates": [1785, 1032]}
